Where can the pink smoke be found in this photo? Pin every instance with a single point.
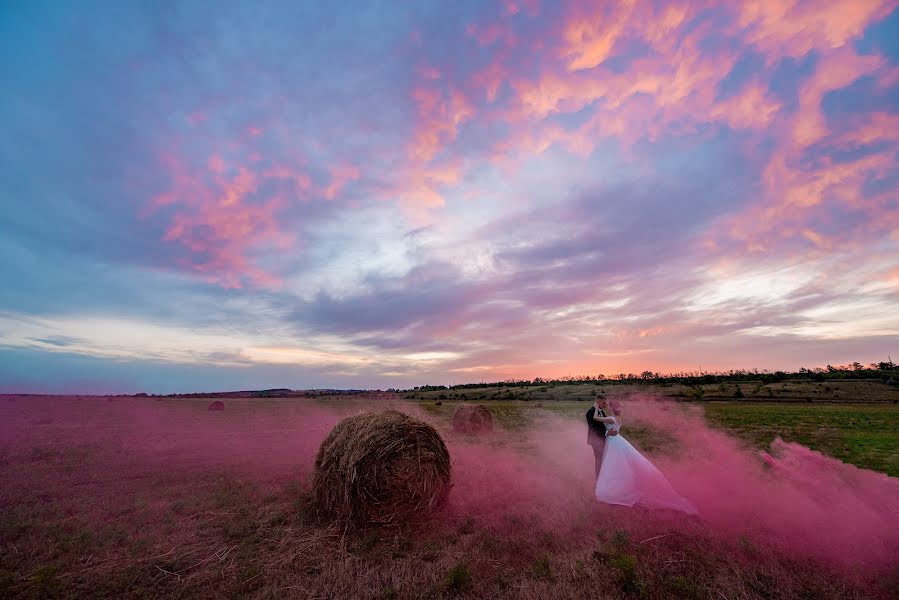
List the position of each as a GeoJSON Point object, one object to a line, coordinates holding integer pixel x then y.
{"type": "Point", "coordinates": [808, 503]}
{"type": "Point", "coordinates": [792, 498]}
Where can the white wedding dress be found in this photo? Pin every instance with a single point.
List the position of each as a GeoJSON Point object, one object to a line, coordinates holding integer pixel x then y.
{"type": "Point", "coordinates": [628, 478]}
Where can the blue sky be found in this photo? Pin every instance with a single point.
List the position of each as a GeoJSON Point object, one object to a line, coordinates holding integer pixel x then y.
{"type": "Point", "coordinates": [205, 195]}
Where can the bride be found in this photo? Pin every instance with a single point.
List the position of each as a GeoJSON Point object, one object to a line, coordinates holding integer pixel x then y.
{"type": "Point", "coordinates": [627, 477]}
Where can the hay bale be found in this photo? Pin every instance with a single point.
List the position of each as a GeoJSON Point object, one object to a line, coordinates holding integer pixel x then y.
{"type": "Point", "coordinates": [438, 403]}
{"type": "Point", "coordinates": [217, 405]}
{"type": "Point", "coordinates": [472, 418]}
{"type": "Point", "coordinates": [383, 467]}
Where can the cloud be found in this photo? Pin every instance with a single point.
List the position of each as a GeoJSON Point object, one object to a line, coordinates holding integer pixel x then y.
{"type": "Point", "coordinates": [486, 189]}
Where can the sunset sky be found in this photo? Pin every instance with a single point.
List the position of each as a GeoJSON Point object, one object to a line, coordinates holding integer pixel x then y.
{"type": "Point", "coordinates": [239, 195]}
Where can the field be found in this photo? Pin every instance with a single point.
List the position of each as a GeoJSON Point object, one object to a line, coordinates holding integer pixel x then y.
{"type": "Point", "coordinates": [142, 497]}
{"type": "Point", "coordinates": [861, 434]}
{"type": "Point", "coordinates": [854, 421]}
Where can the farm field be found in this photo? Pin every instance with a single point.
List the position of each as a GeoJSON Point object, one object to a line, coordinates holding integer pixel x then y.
{"type": "Point", "coordinates": [793, 391]}
{"type": "Point", "coordinates": [142, 497]}
{"type": "Point", "coordinates": [865, 435]}
{"type": "Point", "coordinates": [310, 300]}
{"type": "Point", "coordinates": [854, 421]}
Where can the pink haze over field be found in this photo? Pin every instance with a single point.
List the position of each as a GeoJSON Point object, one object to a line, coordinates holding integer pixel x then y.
{"type": "Point", "coordinates": [386, 195]}
{"type": "Point", "coordinates": [795, 500]}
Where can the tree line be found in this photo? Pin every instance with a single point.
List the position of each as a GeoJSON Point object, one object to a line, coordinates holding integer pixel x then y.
{"type": "Point", "coordinates": [884, 371]}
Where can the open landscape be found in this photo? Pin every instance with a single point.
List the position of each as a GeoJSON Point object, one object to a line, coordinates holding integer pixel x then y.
{"type": "Point", "coordinates": [509, 299]}
{"type": "Point", "coordinates": [161, 497]}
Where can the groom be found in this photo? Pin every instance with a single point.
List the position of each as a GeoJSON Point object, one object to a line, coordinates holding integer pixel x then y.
{"type": "Point", "coordinates": [596, 431]}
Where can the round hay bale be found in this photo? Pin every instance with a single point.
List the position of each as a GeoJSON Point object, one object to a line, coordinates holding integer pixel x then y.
{"type": "Point", "coordinates": [472, 418]}
{"type": "Point", "coordinates": [217, 405]}
{"type": "Point", "coordinates": [438, 403]}
{"type": "Point", "coordinates": [380, 468]}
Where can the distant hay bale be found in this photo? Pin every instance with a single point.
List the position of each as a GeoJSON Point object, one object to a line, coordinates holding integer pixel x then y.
{"type": "Point", "coordinates": [472, 418]}
{"type": "Point", "coordinates": [380, 468]}
{"type": "Point", "coordinates": [217, 405]}
{"type": "Point", "coordinates": [438, 403]}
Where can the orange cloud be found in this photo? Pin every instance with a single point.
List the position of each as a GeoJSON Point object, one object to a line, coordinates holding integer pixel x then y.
{"type": "Point", "coordinates": [752, 108]}
{"type": "Point", "coordinates": [588, 41]}
{"type": "Point", "coordinates": [220, 221]}
{"type": "Point", "coordinates": [794, 27]}
{"type": "Point", "coordinates": [340, 176]}
{"type": "Point", "coordinates": [439, 117]}
{"type": "Point", "coordinates": [490, 78]}
{"type": "Point", "coordinates": [674, 89]}
{"type": "Point", "coordinates": [837, 70]}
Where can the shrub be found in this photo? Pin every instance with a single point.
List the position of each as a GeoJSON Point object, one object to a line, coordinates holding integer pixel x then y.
{"type": "Point", "coordinates": [683, 587]}
{"type": "Point", "coordinates": [621, 539]}
{"type": "Point", "coordinates": [458, 578]}
{"type": "Point", "coordinates": [627, 572]}
{"type": "Point", "coordinates": [46, 583]}
{"type": "Point", "coordinates": [541, 568]}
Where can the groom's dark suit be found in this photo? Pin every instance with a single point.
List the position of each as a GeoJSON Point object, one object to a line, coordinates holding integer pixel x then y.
{"type": "Point", "coordinates": [596, 437]}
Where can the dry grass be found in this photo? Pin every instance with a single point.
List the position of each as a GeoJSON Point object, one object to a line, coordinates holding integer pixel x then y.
{"type": "Point", "coordinates": [95, 519]}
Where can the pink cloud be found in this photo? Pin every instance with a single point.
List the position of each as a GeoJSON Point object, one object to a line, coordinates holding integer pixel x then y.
{"type": "Point", "coordinates": [489, 34]}
{"type": "Point", "coordinates": [674, 89]}
{"type": "Point", "coordinates": [219, 221]}
{"type": "Point", "coordinates": [794, 27]}
{"type": "Point", "coordinates": [490, 78]}
{"type": "Point", "coordinates": [588, 39]}
{"type": "Point", "coordinates": [439, 117]}
{"type": "Point", "coordinates": [534, 71]}
{"type": "Point", "coordinates": [340, 176]}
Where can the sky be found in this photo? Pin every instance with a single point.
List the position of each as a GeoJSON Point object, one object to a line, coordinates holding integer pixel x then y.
{"type": "Point", "coordinates": [208, 196]}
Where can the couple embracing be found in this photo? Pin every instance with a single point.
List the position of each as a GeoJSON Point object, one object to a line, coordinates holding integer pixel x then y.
{"type": "Point", "coordinates": [623, 475]}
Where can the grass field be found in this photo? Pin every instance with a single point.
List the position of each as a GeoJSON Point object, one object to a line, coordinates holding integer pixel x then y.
{"type": "Point", "coordinates": [798, 391]}
{"type": "Point", "coordinates": [866, 435]}
{"type": "Point", "coordinates": [854, 421]}
{"type": "Point", "coordinates": [112, 498]}
{"type": "Point", "coordinates": [518, 416]}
